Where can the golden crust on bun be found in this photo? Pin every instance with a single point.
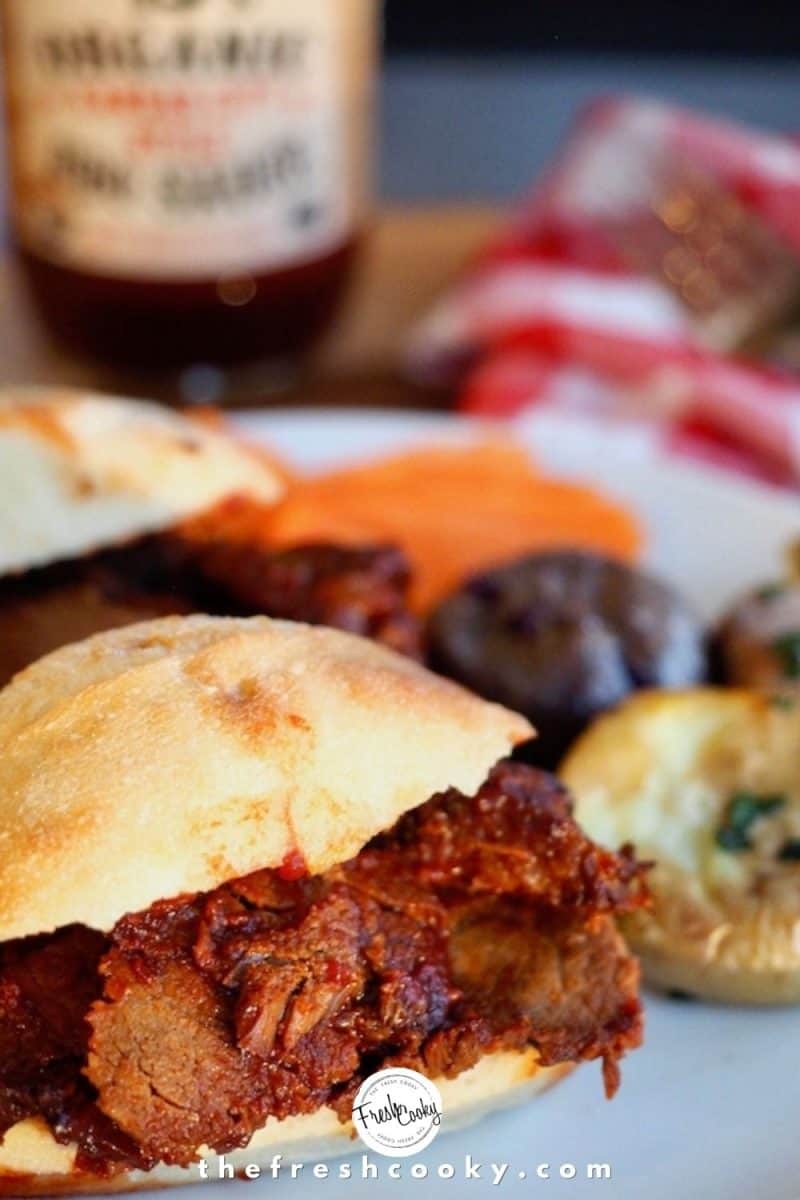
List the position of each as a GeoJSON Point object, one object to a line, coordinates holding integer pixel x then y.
{"type": "Point", "coordinates": [172, 756]}
{"type": "Point", "coordinates": [81, 471]}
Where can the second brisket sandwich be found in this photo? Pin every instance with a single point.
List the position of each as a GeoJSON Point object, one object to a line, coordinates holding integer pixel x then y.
{"type": "Point", "coordinates": [114, 511]}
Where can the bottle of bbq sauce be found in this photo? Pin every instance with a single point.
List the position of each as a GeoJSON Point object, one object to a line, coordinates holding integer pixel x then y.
{"type": "Point", "coordinates": [189, 178]}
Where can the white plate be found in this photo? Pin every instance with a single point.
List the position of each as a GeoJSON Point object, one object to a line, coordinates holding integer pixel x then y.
{"type": "Point", "coordinates": [711, 1105]}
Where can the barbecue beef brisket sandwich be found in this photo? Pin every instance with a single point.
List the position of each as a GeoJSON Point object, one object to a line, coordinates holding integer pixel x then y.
{"type": "Point", "coordinates": [82, 471]}
{"type": "Point", "coordinates": [245, 863]}
{"type": "Point", "coordinates": [115, 511]}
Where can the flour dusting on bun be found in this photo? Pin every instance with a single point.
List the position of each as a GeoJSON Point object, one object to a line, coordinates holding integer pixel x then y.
{"type": "Point", "coordinates": [244, 863]}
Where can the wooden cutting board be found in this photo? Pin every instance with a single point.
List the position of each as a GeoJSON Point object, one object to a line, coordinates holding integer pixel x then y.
{"type": "Point", "coordinates": [410, 258]}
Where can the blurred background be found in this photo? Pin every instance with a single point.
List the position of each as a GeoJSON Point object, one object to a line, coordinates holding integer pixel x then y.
{"type": "Point", "coordinates": [625, 27]}
{"type": "Point", "coordinates": [266, 223]}
{"type": "Point", "coordinates": [478, 96]}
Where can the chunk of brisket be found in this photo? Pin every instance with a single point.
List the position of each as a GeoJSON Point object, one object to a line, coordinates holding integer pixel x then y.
{"type": "Point", "coordinates": [47, 985]}
{"type": "Point", "coordinates": [477, 924]}
{"type": "Point", "coordinates": [361, 590]}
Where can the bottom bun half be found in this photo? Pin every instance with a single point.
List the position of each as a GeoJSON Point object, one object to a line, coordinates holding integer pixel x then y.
{"type": "Point", "coordinates": [32, 1163]}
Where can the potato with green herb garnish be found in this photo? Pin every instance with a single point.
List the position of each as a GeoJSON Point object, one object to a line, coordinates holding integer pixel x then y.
{"type": "Point", "coordinates": [757, 643]}
{"type": "Point", "coordinates": [706, 784]}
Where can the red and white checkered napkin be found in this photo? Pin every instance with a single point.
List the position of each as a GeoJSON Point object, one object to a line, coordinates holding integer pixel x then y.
{"type": "Point", "coordinates": [658, 243]}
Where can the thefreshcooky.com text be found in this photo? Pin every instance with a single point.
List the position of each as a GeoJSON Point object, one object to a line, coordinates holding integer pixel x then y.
{"type": "Point", "coordinates": [467, 1169]}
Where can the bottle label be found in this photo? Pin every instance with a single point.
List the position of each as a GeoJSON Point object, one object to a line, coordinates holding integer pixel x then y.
{"type": "Point", "coordinates": [188, 139]}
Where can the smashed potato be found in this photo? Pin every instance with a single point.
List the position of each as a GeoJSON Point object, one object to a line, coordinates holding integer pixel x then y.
{"type": "Point", "coordinates": [706, 783]}
{"type": "Point", "coordinates": [757, 644]}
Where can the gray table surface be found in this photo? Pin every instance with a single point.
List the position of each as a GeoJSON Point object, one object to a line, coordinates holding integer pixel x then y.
{"type": "Point", "coordinates": [480, 129]}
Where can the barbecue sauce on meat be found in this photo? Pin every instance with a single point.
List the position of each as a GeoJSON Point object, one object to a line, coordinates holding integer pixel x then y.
{"type": "Point", "coordinates": [362, 590]}
{"type": "Point", "coordinates": [475, 924]}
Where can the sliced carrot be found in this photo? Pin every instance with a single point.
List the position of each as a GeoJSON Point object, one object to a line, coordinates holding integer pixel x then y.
{"type": "Point", "coordinates": [454, 510]}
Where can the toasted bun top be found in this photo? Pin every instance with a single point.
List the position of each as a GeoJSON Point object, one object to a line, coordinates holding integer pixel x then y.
{"type": "Point", "coordinates": [170, 756]}
{"type": "Point", "coordinates": [79, 471]}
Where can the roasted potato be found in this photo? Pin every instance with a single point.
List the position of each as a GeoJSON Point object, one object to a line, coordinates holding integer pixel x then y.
{"type": "Point", "coordinates": [706, 783]}
{"type": "Point", "coordinates": [757, 643]}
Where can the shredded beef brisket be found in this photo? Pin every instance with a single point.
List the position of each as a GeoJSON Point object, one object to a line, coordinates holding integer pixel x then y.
{"type": "Point", "coordinates": [47, 986]}
{"type": "Point", "coordinates": [476, 924]}
{"type": "Point", "coordinates": [362, 590]}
